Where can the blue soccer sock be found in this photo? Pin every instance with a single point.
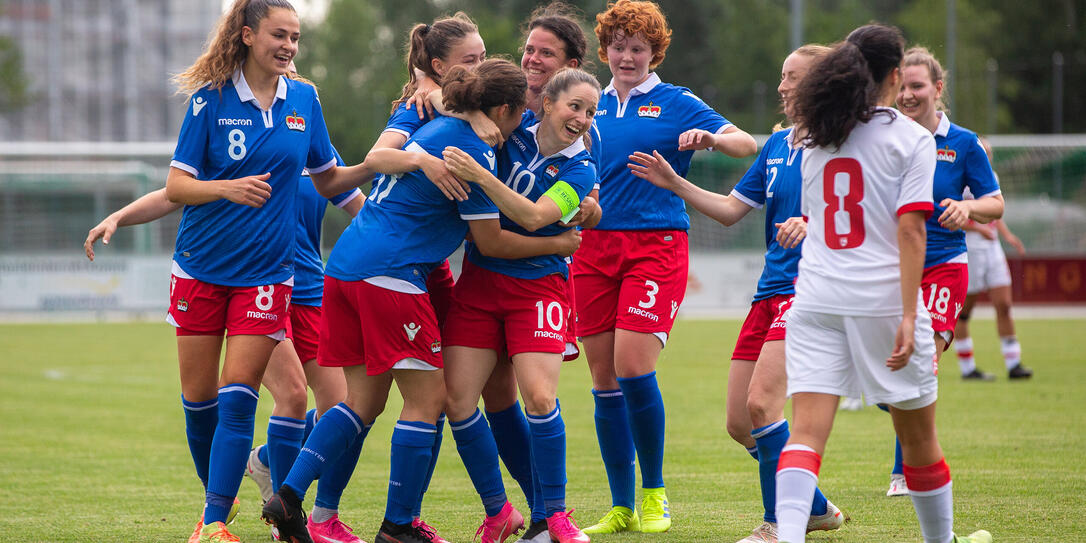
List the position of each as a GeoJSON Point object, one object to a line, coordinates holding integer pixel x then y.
{"type": "Point", "coordinates": [201, 418]}
{"type": "Point", "coordinates": [899, 468]}
{"type": "Point", "coordinates": [434, 453]}
{"type": "Point", "coordinates": [284, 441]}
{"type": "Point", "coordinates": [513, 439]}
{"type": "Point", "coordinates": [538, 507]}
{"type": "Point", "coordinates": [549, 458]}
{"type": "Point", "coordinates": [337, 474]}
{"type": "Point", "coordinates": [616, 445]}
{"type": "Point", "coordinates": [229, 449]}
{"type": "Point", "coordinates": [753, 452]}
{"type": "Point", "coordinates": [262, 455]}
{"type": "Point", "coordinates": [335, 432]}
{"type": "Point", "coordinates": [310, 423]}
{"type": "Point", "coordinates": [477, 449]}
{"type": "Point", "coordinates": [412, 445]}
{"type": "Point", "coordinates": [770, 440]}
{"type": "Point", "coordinates": [645, 408]}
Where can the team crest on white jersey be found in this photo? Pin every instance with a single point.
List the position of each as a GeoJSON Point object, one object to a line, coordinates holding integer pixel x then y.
{"type": "Point", "coordinates": [296, 122]}
{"type": "Point", "coordinates": [198, 104]}
{"type": "Point", "coordinates": [651, 111]}
{"type": "Point", "coordinates": [946, 154]}
{"type": "Point", "coordinates": [411, 329]}
{"type": "Point", "coordinates": [552, 170]}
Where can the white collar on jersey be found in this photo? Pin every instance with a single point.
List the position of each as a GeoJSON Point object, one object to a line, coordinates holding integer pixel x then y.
{"type": "Point", "coordinates": [245, 94]}
{"type": "Point", "coordinates": [643, 88]}
{"type": "Point", "coordinates": [569, 152]}
{"type": "Point", "coordinates": [944, 124]}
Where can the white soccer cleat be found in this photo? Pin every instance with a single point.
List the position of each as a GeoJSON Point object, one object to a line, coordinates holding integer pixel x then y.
{"type": "Point", "coordinates": [831, 520]}
{"type": "Point", "coordinates": [766, 533]}
{"type": "Point", "coordinates": [897, 486]}
{"type": "Point", "coordinates": [260, 474]}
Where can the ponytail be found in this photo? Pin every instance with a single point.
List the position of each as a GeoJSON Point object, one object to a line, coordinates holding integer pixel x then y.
{"type": "Point", "coordinates": [493, 83]}
{"type": "Point", "coordinates": [426, 42]}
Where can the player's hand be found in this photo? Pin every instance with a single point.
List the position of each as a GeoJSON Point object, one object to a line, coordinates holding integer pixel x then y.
{"type": "Point", "coordinates": [696, 139]}
{"type": "Point", "coordinates": [486, 129]}
{"type": "Point", "coordinates": [956, 214]}
{"type": "Point", "coordinates": [791, 232]}
{"type": "Point", "coordinates": [103, 231]}
{"type": "Point", "coordinates": [904, 343]}
{"type": "Point", "coordinates": [251, 190]}
{"type": "Point", "coordinates": [569, 241]}
{"type": "Point", "coordinates": [654, 169]}
{"type": "Point", "coordinates": [421, 98]}
{"type": "Point", "coordinates": [438, 174]}
{"type": "Point", "coordinates": [589, 215]}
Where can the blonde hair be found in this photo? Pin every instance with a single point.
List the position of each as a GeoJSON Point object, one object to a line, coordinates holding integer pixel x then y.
{"type": "Point", "coordinates": [226, 51]}
{"type": "Point", "coordinates": [920, 56]}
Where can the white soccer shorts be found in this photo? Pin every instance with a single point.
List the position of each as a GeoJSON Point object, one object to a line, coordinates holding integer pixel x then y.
{"type": "Point", "coordinates": [988, 268]}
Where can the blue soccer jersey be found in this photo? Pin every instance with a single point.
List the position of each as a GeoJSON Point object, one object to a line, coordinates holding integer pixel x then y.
{"type": "Point", "coordinates": [960, 163]}
{"type": "Point", "coordinates": [530, 174]}
{"type": "Point", "coordinates": [407, 226]}
{"type": "Point", "coordinates": [226, 135]}
{"type": "Point", "coordinates": [308, 264]}
{"type": "Point", "coordinates": [776, 182]}
{"type": "Point", "coordinates": [651, 119]}
{"type": "Point", "coordinates": [405, 120]}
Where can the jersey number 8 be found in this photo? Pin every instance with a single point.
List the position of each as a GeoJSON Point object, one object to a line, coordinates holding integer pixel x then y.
{"type": "Point", "coordinates": [236, 138]}
{"type": "Point", "coordinates": [843, 218]}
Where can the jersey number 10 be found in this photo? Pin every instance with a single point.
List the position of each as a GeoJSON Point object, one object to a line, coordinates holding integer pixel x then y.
{"type": "Point", "coordinates": [843, 190]}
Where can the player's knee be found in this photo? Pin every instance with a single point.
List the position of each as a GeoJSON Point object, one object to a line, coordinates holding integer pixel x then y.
{"type": "Point", "coordinates": [538, 403]}
{"type": "Point", "coordinates": [291, 398]}
{"type": "Point", "coordinates": [738, 428]}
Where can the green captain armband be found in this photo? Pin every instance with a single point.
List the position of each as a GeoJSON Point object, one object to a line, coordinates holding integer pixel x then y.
{"type": "Point", "coordinates": [566, 197]}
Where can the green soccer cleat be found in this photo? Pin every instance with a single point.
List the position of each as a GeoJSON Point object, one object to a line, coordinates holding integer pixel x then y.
{"type": "Point", "coordinates": [233, 511]}
{"type": "Point", "coordinates": [979, 536]}
{"type": "Point", "coordinates": [216, 532]}
{"type": "Point", "coordinates": [618, 519]}
{"type": "Point", "coordinates": [655, 511]}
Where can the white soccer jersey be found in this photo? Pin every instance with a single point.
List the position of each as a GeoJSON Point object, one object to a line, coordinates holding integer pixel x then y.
{"type": "Point", "coordinates": [852, 198]}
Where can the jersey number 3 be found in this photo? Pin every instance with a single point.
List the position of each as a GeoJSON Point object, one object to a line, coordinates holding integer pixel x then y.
{"type": "Point", "coordinates": [843, 190]}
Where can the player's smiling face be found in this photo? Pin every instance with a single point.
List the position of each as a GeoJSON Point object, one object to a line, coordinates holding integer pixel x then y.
{"type": "Point", "coordinates": [569, 116]}
{"type": "Point", "coordinates": [274, 43]}
{"type": "Point", "coordinates": [629, 58]}
{"type": "Point", "coordinates": [469, 52]}
{"type": "Point", "coordinates": [919, 94]}
{"type": "Point", "coordinates": [793, 71]}
{"type": "Point", "coordinates": [543, 55]}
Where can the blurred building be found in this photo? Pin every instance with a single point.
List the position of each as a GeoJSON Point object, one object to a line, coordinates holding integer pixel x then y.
{"type": "Point", "coordinates": [99, 70]}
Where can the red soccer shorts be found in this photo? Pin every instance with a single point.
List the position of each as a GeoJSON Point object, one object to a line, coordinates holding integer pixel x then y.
{"type": "Point", "coordinates": [765, 322]}
{"type": "Point", "coordinates": [943, 287]}
{"type": "Point", "coordinates": [495, 311]}
{"type": "Point", "coordinates": [440, 287]}
{"type": "Point", "coordinates": [203, 309]}
{"type": "Point", "coordinates": [633, 280]}
{"type": "Point", "coordinates": [363, 324]}
{"type": "Point", "coordinates": [303, 328]}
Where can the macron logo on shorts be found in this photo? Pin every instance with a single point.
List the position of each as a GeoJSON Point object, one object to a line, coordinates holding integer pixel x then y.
{"type": "Point", "coordinates": [643, 313]}
{"type": "Point", "coordinates": [411, 329]}
{"type": "Point", "coordinates": [262, 315]}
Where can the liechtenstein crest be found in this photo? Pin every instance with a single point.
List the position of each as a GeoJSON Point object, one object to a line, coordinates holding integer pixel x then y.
{"type": "Point", "coordinates": [552, 170]}
{"type": "Point", "coordinates": [946, 154]}
{"type": "Point", "coordinates": [651, 111]}
{"type": "Point", "coordinates": [296, 122]}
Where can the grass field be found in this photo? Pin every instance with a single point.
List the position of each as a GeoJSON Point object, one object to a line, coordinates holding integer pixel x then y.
{"type": "Point", "coordinates": [92, 446]}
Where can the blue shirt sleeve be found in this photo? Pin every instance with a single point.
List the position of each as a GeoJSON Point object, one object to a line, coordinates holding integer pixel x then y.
{"type": "Point", "coordinates": [321, 154]}
{"type": "Point", "coordinates": [753, 184]}
{"type": "Point", "coordinates": [405, 120]}
{"type": "Point", "coordinates": [700, 115]}
{"type": "Point", "coordinates": [979, 176]}
{"type": "Point", "coordinates": [582, 176]}
{"type": "Point", "coordinates": [192, 142]}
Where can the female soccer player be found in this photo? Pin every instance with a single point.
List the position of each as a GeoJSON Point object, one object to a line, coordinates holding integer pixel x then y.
{"type": "Point", "coordinates": [988, 272]}
{"type": "Point", "coordinates": [960, 164]}
{"type": "Point", "coordinates": [522, 306]}
{"type": "Point", "coordinates": [249, 132]}
{"type": "Point", "coordinates": [630, 273]}
{"type": "Point", "coordinates": [857, 322]}
{"type": "Point", "coordinates": [378, 322]}
{"type": "Point", "coordinates": [756, 380]}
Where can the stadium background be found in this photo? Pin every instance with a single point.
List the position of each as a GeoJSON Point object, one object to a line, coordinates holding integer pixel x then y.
{"type": "Point", "coordinates": [88, 118]}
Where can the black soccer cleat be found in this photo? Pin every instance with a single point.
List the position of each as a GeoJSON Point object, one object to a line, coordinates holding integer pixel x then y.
{"type": "Point", "coordinates": [284, 511]}
{"type": "Point", "coordinates": [401, 533]}
{"type": "Point", "coordinates": [534, 530]}
{"type": "Point", "coordinates": [1019, 372]}
{"type": "Point", "coordinates": [977, 375]}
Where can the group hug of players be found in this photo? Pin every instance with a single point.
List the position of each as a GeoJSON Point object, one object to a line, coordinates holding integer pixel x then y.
{"type": "Point", "coordinates": [554, 181]}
